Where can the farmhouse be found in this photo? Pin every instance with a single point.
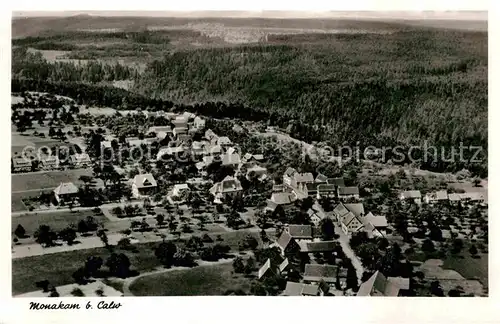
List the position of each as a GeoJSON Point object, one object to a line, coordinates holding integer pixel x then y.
{"type": "Point", "coordinates": [326, 191]}
{"type": "Point", "coordinates": [65, 193]}
{"type": "Point", "coordinates": [320, 246]}
{"type": "Point", "coordinates": [436, 197]}
{"type": "Point", "coordinates": [287, 244]}
{"type": "Point", "coordinates": [282, 198]}
{"type": "Point", "coordinates": [180, 122]}
{"type": "Point", "coordinates": [21, 165]}
{"type": "Point", "coordinates": [143, 185]}
{"type": "Point", "coordinates": [320, 272]}
{"type": "Point", "coordinates": [411, 195]}
{"type": "Point", "coordinates": [300, 232]}
{"type": "Point", "coordinates": [229, 187]}
{"type": "Point", "coordinates": [232, 160]}
{"type": "Point", "coordinates": [301, 289]}
{"type": "Point", "coordinates": [288, 176]}
{"type": "Point", "coordinates": [345, 193]}
{"type": "Point", "coordinates": [80, 160]}
{"type": "Point", "coordinates": [321, 178]}
{"type": "Point", "coordinates": [49, 162]}
{"type": "Point", "coordinates": [199, 122]}
{"type": "Point", "coordinates": [379, 285]}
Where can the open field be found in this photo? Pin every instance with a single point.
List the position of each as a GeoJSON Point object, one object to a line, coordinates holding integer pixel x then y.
{"type": "Point", "coordinates": [16, 200]}
{"type": "Point", "coordinates": [19, 142]}
{"type": "Point", "coordinates": [58, 268]}
{"type": "Point", "coordinates": [46, 180]}
{"type": "Point", "coordinates": [56, 220]}
{"type": "Point", "coordinates": [199, 281]}
{"type": "Point", "coordinates": [88, 290]}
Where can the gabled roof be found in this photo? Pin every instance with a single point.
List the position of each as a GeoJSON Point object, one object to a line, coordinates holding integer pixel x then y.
{"type": "Point", "coordinates": [265, 268]}
{"type": "Point", "coordinates": [348, 191]}
{"type": "Point", "coordinates": [357, 209]}
{"type": "Point", "coordinates": [290, 172]}
{"type": "Point", "coordinates": [224, 140]}
{"type": "Point", "coordinates": [300, 289]}
{"type": "Point", "coordinates": [379, 285]}
{"type": "Point", "coordinates": [340, 210]}
{"type": "Point", "coordinates": [339, 182]}
{"type": "Point", "coordinates": [257, 169]}
{"type": "Point", "coordinates": [321, 178]}
{"type": "Point", "coordinates": [284, 239]}
{"type": "Point", "coordinates": [181, 186]}
{"type": "Point", "coordinates": [157, 129]}
{"type": "Point", "coordinates": [169, 151]}
{"type": "Point", "coordinates": [258, 157]}
{"type": "Point", "coordinates": [282, 198]}
{"type": "Point", "coordinates": [208, 159]}
{"type": "Point", "coordinates": [106, 144]}
{"type": "Point", "coordinates": [438, 195]}
{"type": "Point", "coordinates": [322, 246]}
{"type": "Point", "coordinates": [144, 180]}
{"type": "Point", "coordinates": [349, 218]}
{"type": "Point", "coordinates": [300, 231]}
{"type": "Point", "coordinates": [303, 177]}
{"type": "Point", "coordinates": [229, 184]}
{"type": "Point", "coordinates": [411, 194]}
{"type": "Point", "coordinates": [199, 120]}
{"type": "Point", "coordinates": [318, 272]}
{"type": "Point", "coordinates": [326, 188]}
{"type": "Point", "coordinates": [284, 265]}
{"type": "Point", "coordinates": [454, 197]}
{"type": "Point", "coordinates": [312, 186]}
{"type": "Point", "coordinates": [231, 159]}
{"type": "Point", "coordinates": [376, 221]}
{"type": "Point", "coordinates": [213, 149]}
{"type": "Point", "coordinates": [66, 188]}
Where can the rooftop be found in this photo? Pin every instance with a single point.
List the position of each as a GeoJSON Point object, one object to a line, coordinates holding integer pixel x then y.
{"type": "Point", "coordinates": [144, 181]}
{"type": "Point", "coordinates": [66, 188]}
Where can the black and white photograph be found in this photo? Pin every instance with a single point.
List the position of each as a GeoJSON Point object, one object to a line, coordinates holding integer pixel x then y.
{"type": "Point", "coordinates": [241, 153]}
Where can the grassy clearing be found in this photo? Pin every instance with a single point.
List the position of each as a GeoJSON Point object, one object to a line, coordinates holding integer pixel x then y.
{"type": "Point", "coordinates": [56, 220]}
{"type": "Point", "coordinates": [52, 179]}
{"type": "Point", "coordinates": [58, 268]}
{"type": "Point", "coordinates": [201, 281]}
{"type": "Point", "coordinates": [17, 204]}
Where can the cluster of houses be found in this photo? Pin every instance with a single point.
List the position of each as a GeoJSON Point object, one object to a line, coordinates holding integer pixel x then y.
{"type": "Point", "coordinates": [49, 162]}
{"type": "Point", "coordinates": [319, 279]}
{"type": "Point", "coordinates": [442, 196]}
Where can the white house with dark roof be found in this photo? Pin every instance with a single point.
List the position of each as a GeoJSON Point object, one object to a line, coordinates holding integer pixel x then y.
{"type": "Point", "coordinates": [65, 192]}
{"type": "Point", "coordinates": [80, 160]}
{"type": "Point", "coordinates": [143, 185]}
{"type": "Point", "coordinates": [345, 193]}
{"type": "Point", "coordinates": [229, 187]}
{"type": "Point", "coordinates": [412, 196]}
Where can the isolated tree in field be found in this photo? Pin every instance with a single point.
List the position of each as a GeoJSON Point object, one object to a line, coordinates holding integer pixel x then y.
{"type": "Point", "coordinates": [77, 292]}
{"type": "Point", "coordinates": [473, 250]}
{"type": "Point", "coordinates": [327, 229]}
{"type": "Point", "coordinates": [194, 243]}
{"type": "Point", "coordinates": [20, 231]}
{"type": "Point", "coordinates": [45, 236]}
{"type": "Point", "coordinates": [457, 246]}
{"type": "Point", "coordinates": [160, 219]}
{"type": "Point", "coordinates": [92, 265]}
{"type": "Point", "coordinates": [250, 265]}
{"type": "Point", "coordinates": [68, 235]}
{"type": "Point", "coordinates": [249, 242]}
{"type": "Point", "coordinates": [119, 265]}
{"type": "Point", "coordinates": [238, 265]}
{"type": "Point", "coordinates": [80, 276]}
{"type": "Point", "coordinates": [264, 237]}
{"type": "Point", "coordinates": [428, 246]}
{"type": "Point", "coordinates": [476, 182]}
{"type": "Point", "coordinates": [104, 237]}
{"type": "Point", "coordinates": [165, 252]}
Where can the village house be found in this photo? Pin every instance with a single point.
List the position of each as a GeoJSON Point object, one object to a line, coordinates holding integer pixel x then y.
{"type": "Point", "coordinates": [302, 179]}
{"type": "Point", "coordinates": [229, 187]}
{"type": "Point", "coordinates": [326, 191]}
{"type": "Point", "coordinates": [345, 193]}
{"type": "Point", "coordinates": [379, 285]}
{"type": "Point", "coordinates": [143, 185]}
{"type": "Point", "coordinates": [288, 176]}
{"type": "Point", "coordinates": [65, 193]}
{"type": "Point", "coordinates": [308, 189]}
{"type": "Point", "coordinates": [249, 158]}
{"type": "Point", "coordinates": [350, 224]}
{"type": "Point", "coordinates": [197, 148]}
{"type": "Point", "coordinates": [257, 172]}
{"type": "Point", "coordinates": [161, 131]}
{"type": "Point", "coordinates": [49, 162]}
{"type": "Point", "coordinates": [321, 178]}
{"type": "Point", "coordinates": [238, 129]}
{"type": "Point", "coordinates": [287, 244]}
{"type": "Point", "coordinates": [169, 152]}
{"type": "Point", "coordinates": [199, 122]}
{"type": "Point", "coordinates": [232, 160]}
{"type": "Point", "coordinates": [106, 145]}
{"type": "Point", "coordinates": [180, 189]}
{"type": "Point", "coordinates": [301, 289]}
{"type": "Point", "coordinates": [212, 150]}
{"type": "Point", "coordinates": [320, 272]}
{"type": "Point", "coordinates": [284, 267]}
{"type": "Point", "coordinates": [80, 160]}
{"type": "Point", "coordinates": [266, 270]}
{"type": "Point", "coordinates": [300, 232]}
{"type": "Point", "coordinates": [436, 197]}
{"type": "Point", "coordinates": [278, 188]}
{"type": "Point", "coordinates": [378, 222]}
{"type": "Point", "coordinates": [21, 165]}
{"type": "Point", "coordinates": [283, 198]}
{"type": "Point", "coordinates": [314, 216]}
{"type": "Point", "coordinates": [316, 247]}
{"type": "Point", "coordinates": [180, 122]}
{"type": "Point", "coordinates": [211, 136]}
{"type": "Point", "coordinates": [412, 196]}
{"type": "Point", "coordinates": [178, 131]}
{"type": "Point", "coordinates": [349, 217]}
{"type": "Point", "coordinates": [224, 142]}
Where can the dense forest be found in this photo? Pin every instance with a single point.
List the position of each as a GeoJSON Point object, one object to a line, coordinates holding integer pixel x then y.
{"type": "Point", "coordinates": [32, 65]}
{"type": "Point", "coordinates": [343, 89]}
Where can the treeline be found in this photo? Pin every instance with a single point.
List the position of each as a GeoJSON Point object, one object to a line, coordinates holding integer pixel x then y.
{"type": "Point", "coordinates": [31, 65]}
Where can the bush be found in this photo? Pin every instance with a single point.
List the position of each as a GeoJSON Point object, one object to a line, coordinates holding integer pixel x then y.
{"type": "Point", "coordinates": [77, 292]}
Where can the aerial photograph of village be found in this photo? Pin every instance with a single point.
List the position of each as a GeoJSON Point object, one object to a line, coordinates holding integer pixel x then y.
{"type": "Point", "coordinates": [231, 154]}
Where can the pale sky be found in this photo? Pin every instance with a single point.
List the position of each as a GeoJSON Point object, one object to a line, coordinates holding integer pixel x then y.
{"type": "Point", "coordinates": [455, 15]}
